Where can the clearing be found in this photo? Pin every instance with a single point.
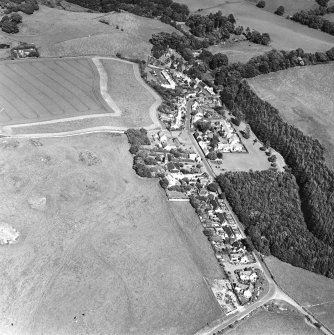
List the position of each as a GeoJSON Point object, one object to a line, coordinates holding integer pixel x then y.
{"type": "Point", "coordinates": [49, 89]}
{"type": "Point", "coordinates": [285, 34]}
{"type": "Point", "coordinates": [60, 33]}
{"type": "Point", "coordinates": [312, 291]}
{"type": "Point", "coordinates": [240, 51]}
{"type": "Point", "coordinates": [305, 98]}
{"type": "Point", "coordinates": [272, 323]}
{"type": "Point", "coordinates": [105, 253]}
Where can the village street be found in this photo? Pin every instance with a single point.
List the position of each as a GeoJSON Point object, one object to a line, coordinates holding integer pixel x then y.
{"type": "Point", "coordinates": [274, 292]}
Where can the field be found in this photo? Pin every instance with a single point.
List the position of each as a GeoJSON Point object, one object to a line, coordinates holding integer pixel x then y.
{"type": "Point", "coordinates": [50, 89]}
{"type": "Point", "coordinates": [240, 51]}
{"type": "Point", "coordinates": [105, 253]}
{"type": "Point", "coordinates": [290, 6]}
{"type": "Point", "coordinates": [312, 291]}
{"type": "Point", "coordinates": [267, 323]}
{"type": "Point", "coordinates": [305, 98]}
{"type": "Point", "coordinates": [285, 34]}
{"type": "Point", "coordinates": [62, 33]}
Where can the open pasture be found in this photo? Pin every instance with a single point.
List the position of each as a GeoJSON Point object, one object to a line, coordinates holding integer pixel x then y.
{"type": "Point", "coordinates": [267, 323]}
{"type": "Point", "coordinates": [285, 34]}
{"type": "Point", "coordinates": [305, 98]}
{"type": "Point", "coordinates": [131, 94]}
{"type": "Point", "coordinates": [46, 89]}
{"type": "Point", "coordinates": [312, 291]}
{"type": "Point", "coordinates": [62, 33]}
{"type": "Point", "coordinates": [240, 51]}
{"type": "Point", "coordinates": [290, 6]}
{"type": "Point", "coordinates": [105, 253]}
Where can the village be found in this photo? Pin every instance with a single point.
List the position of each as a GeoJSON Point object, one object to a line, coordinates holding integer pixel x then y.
{"type": "Point", "coordinates": [184, 177]}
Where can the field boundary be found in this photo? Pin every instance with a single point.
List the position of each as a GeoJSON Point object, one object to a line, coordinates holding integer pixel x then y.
{"type": "Point", "coordinates": [102, 95]}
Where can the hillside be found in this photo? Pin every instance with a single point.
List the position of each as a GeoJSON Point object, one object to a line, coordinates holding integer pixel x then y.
{"type": "Point", "coordinates": [62, 33]}
{"type": "Point", "coordinates": [94, 255]}
{"type": "Point", "coordinates": [285, 34]}
{"type": "Point", "coordinates": [290, 6]}
{"type": "Point", "coordinates": [305, 98]}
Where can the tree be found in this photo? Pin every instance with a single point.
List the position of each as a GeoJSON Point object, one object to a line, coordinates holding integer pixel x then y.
{"type": "Point", "coordinates": [280, 11]}
{"type": "Point", "coordinates": [9, 27]}
{"type": "Point", "coordinates": [322, 3]}
{"type": "Point", "coordinates": [213, 187]}
{"type": "Point", "coordinates": [261, 4]}
{"type": "Point", "coordinates": [212, 155]}
{"type": "Point", "coordinates": [218, 60]}
{"type": "Point", "coordinates": [236, 121]}
{"type": "Point", "coordinates": [231, 18]}
{"type": "Point", "coordinates": [15, 17]}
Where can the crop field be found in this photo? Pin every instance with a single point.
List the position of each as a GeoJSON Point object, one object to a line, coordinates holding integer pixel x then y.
{"type": "Point", "coordinates": [101, 251]}
{"type": "Point", "coordinates": [61, 33]}
{"type": "Point", "coordinates": [312, 291]}
{"type": "Point", "coordinates": [285, 34]}
{"type": "Point", "coordinates": [267, 323]}
{"type": "Point", "coordinates": [44, 90]}
{"type": "Point", "coordinates": [305, 98]}
{"type": "Point", "coordinates": [47, 89]}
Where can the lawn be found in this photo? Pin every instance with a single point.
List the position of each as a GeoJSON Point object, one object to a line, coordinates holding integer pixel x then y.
{"type": "Point", "coordinates": [285, 34]}
{"type": "Point", "coordinates": [61, 33]}
{"type": "Point", "coordinates": [254, 159]}
{"type": "Point", "coordinates": [267, 323]}
{"type": "Point", "coordinates": [106, 253]}
{"type": "Point", "coordinates": [240, 51]}
{"type": "Point", "coordinates": [49, 89]}
{"type": "Point", "coordinates": [305, 98]}
{"type": "Point", "coordinates": [312, 291]}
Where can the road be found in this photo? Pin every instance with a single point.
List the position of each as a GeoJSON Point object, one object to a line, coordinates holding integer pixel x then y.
{"type": "Point", "coordinates": [274, 292]}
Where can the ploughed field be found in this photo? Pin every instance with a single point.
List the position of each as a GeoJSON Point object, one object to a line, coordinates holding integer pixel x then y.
{"type": "Point", "coordinates": [48, 89]}
{"type": "Point", "coordinates": [305, 98]}
{"type": "Point", "coordinates": [101, 251]}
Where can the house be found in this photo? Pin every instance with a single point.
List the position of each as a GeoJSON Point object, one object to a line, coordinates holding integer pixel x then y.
{"type": "Point", "coordinates": [229, 232]}
{"type": "Point", "coordinates": [172, 168]}
{"type": "Point", "coordinates": [234, 257]}
{"type": "Point", "coordinates": [203, 192]}
{"type": "Point", "coordinates": [247, 294]}
{"type": "Point", "coordinates": [253, 277]}
{"type": "Point", "coordinates": [245, 275]}
{"type": "Point", "coordinates": [24, 51]}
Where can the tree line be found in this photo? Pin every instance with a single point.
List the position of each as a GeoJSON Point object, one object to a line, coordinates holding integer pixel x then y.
{"type": "Point", "coordinates": [165, 9]}
{"type": "Point", "coordinates": [268, 205]}
{"type": "Point", "coordinates": [314, 19]}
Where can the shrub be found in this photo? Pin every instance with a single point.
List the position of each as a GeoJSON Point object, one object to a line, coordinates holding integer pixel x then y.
{"type": "Point", "coordinates": [261, 4]}
{"type": "Point", "coordinates": [236, 121]}
{"type": "Point", "coordinates": [213, 187]}
{"type": "Point", "coordinates": [15, 17]}
{"type": "Point", "coordinates": [280, 11]}
{"type": "Point", "coordinates": [212, 155]}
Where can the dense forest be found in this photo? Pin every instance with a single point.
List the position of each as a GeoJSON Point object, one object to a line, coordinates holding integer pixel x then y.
{"type": "Point", "coordinates": [268, 205]}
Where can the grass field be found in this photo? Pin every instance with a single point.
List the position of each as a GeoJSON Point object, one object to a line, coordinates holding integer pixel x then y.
{"type": "Point", "coordinates": [106, 254]}
{"type": "Point", "coordinates": [40, 90]}
{"type": "Point", "coordinates": [290, 6]}
{"type": "Point", "coordinates": [285, 34]}
{"type": "Point", "coordinates": [267, 323]}
{"type": "Point", "coordinates": [240, 51]}
{"type": "Point", "coordinates": [305, 98]}
{"type": "Point", "coordinates": [314, 292]}
{"type": "Point", "coordinates": [134, 106]}
{"type": "Point", "coordinates": [62, 33]}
